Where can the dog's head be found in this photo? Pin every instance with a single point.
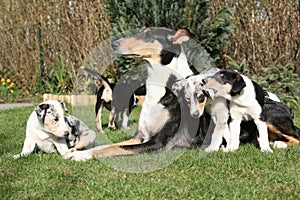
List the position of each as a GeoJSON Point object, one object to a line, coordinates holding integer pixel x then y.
{"type": "Point", "coordinates": [225, 83]}
{"type": "Point", "coordinates": [156, 44]}
{"type": "Point", "coordinates": [192, 94]}
{"type": "Point", "coordinates": [51, 116]}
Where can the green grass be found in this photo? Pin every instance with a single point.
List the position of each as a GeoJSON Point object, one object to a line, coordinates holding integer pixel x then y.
{"type": "Point", "coordinates": [191, 174]}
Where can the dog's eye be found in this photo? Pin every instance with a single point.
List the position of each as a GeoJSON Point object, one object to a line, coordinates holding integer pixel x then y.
{"type": "Point", "coordinates": [56, 119]}
{"type": "Point", "coordinates": [222, 76]}
{"type": "Point", "coordinates": [200, 97]}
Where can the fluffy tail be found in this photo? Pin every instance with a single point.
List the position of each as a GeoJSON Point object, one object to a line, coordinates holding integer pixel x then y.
{"type": "Point", "coordinates": [98, 75]}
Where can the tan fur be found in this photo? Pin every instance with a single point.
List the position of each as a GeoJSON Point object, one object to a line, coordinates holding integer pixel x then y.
{"type": "Point", "coordinates": [201, 106]}
{"type": "Point", "coordinates": [51, 124]}
{"type": "Point", "coordinates": [111, 151]}
{"type": "Point", "coordinates": [274, 133]}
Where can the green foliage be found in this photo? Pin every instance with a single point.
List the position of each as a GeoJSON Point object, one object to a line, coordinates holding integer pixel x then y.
{"type": "Point", "coordinates": [59, 80]}
{"type": "Point", "coordinates": [280, 79]}
{"type": "Point", "coordinates": [212, 30]}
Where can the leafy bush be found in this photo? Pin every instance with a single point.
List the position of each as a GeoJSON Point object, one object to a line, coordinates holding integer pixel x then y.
{"type": "Point", "coordinates": [210, 29]}
{"type": "Point", "coordinates": [280, 79]}
{"type": "Point", "coordinates": [59, 80]}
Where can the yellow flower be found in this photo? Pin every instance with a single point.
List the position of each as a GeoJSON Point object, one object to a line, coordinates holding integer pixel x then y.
{"type": "Point", "coordinates": [3, 83]}
{"type": "Point", "coordinates": [11, 85]}
{"type": "Point", "coordinates": [8, 80]}
{"type": "Point", "coordinates": [2, 80]}
{"type": "Point", "coordinates": [11, 91]}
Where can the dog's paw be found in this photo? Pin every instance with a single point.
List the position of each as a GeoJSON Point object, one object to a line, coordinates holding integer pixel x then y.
{"type": "Point", "coordinates": [211, 149]}
{"type": "Point", "coordinates": [280, 145]}
{"type": "Point", "coordinates": [268, 150]}
{"type": "Point", "coordinates": [79, 155]}
{"type": "Point", "coordinates": [17, 156]}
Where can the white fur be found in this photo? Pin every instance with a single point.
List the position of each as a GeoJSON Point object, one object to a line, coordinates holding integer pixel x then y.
{"type": "Point", "coordinates": [244, 106]}
{"type": "Point", "coordinates": [218, 110]}
{"type": "Point", "coordinates": [158, 75]}
{"type": "Point", "coordinates": [46, 140]}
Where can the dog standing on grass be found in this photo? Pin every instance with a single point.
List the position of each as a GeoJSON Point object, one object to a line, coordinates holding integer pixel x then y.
{"type": "Point", "coordinates": [50, 130]}
{"type": "Point", "coordinates": [120, 102]}
{"type": "Point", "coordinates": [246, 100]}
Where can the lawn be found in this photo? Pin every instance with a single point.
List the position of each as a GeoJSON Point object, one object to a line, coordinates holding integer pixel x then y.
{"type": "Point", "coordinates": [179, 174]}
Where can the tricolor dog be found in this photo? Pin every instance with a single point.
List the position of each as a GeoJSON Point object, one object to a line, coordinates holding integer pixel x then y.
{"type": "Point", "coordinates": [246, 100]}
{"type": "Point", "coordinates": [50, 130]}
{"type": "Point", "coordinates": [161, 47]}
{"type": "Point", "coordinates": [117, 98]}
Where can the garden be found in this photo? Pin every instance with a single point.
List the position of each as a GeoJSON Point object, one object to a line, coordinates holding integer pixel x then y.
{"type": "Point", "coordinates": [44, 44]}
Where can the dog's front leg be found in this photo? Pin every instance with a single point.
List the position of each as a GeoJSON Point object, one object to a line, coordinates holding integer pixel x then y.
{"type": "Point", "coordinates": [28, 148]}
{"type": "Point", "coordinates": [112, 116]}
{"type": "Point", "coordinates": [61, 146]}
{"type": "Point", "coordinates": [98, 120]}
{"type": "Point", "coordinates": [263, 139]}
{"type": "Point", "coordinates": [220, 115]}
{"type": "Point", "coordinates": [125, 119]}
{"type": "Point", "coordinates": [234, 126]}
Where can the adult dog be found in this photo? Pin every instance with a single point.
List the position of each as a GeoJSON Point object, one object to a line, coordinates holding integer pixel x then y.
{"type": "Point", "coordinates": [50, 130]}
{"type": "Point", "coordinates": [162, 48]}
{"type": "Point", "coordinates": [119, 102]}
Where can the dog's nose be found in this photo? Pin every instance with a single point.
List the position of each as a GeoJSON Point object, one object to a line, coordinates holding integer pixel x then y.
{"type": "Point", "coordinates": [196, 114]}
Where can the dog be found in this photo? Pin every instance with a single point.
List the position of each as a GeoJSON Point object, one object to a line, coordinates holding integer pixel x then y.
{"type": "Point", "coordinates": [50, 130]}
{"type": "Point", "coordinates": [246, 101]}
{"type": "Point", "coordinates": [118, 99]}
{"type": "Point", "coordinates": [274, 112]}
{"type": "Point", "coordinates": [200, 103]}
{"type": "Point", "coordinates": [161, 47]}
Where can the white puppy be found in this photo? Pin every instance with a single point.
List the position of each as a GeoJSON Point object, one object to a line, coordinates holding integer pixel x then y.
{"type": "Point", "coordinates": [49, 130]}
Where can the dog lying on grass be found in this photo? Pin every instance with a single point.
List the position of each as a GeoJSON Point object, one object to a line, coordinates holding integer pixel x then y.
{"type": "Point", "coordinates": [50, 130]}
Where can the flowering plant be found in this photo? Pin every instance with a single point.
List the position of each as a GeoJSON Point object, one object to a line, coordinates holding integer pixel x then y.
{"type": "Point", "coordinates": [6, 87]}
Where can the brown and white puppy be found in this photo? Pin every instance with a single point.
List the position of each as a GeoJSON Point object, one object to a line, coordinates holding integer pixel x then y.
{"type": "Point", "coordinates": [50, 130]}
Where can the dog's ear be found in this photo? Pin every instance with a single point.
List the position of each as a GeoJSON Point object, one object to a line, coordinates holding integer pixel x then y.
{"type": "Point", "coordinates": [182, 35]}
{"type": "Point", "coordinates": [63, 106]}
{"type": "Point", "coordinates": [178, 86]}
{"type": "Point", "coordinates": [238, 85]}
{"type": "Point", "coordinates": [41, 111]}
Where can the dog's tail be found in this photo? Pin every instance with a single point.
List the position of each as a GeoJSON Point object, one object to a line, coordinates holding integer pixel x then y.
{"type": "Point", "coordinates": [97, 74]}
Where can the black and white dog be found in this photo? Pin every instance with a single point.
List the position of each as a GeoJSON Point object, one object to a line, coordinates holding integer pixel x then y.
{"type": "Point", "coordinates": [281, 130]}
{"type": "Point", "coordinates": [247, 102]}
{"type": "Point", "coordinates": [50, 130]}
{"type": "Point", "coordinates": [118, 99]}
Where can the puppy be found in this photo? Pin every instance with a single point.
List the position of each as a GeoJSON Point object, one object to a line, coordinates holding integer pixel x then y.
{"type": "Point", "coordinates": [199, 102]}
{"type": "Point", "coordinates": [120, 102]}
{"type": "Point", "coordinates": [246, 101]}
{"type": "Point", "coordinates": [49, 130]}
